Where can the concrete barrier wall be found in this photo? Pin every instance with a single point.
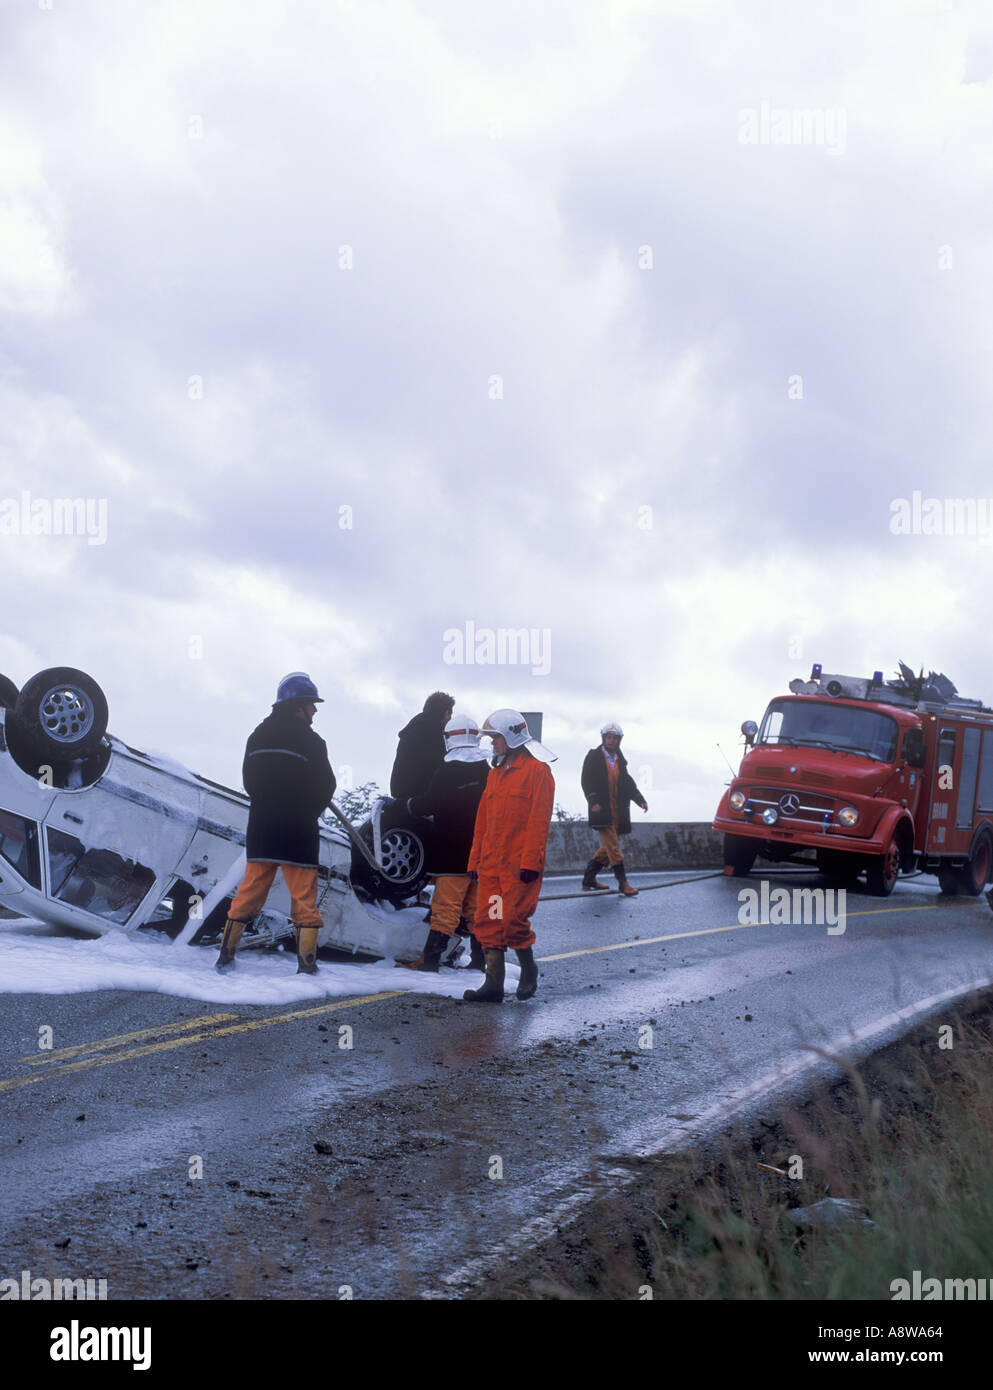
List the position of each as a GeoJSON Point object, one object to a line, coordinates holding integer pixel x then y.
{"type": "Point", "coordinates": [651, 845]}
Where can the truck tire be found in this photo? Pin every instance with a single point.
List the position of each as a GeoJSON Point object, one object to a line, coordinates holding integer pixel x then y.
{"type": "Point", "coordinates": [61, 714]}
{"type": "Point", "coordinates": [975, 871]}
{"type": "Point", "coordinates": [8, 693]}
{"type": "Point", "coordinates": [739, 854]}
{"type": "Point", "coordinates": [884, 870]}
{"type": "Point", "coordinates": [949, 880]}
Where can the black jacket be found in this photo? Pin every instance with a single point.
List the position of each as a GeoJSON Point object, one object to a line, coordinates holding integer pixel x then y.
{"type": "Point", "coordinates": [287, 774]}
{"type": "Point", "coordinates": [597, 791]}
{"type": "Point", "coordinates": [453, 800]}
{"type": "Point", "coordinates": [420, 750]}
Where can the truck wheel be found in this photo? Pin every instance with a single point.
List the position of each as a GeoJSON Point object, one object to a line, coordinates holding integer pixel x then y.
{"type": "Point", "coordinates": [975, 871]}
{"type": "Point", "coordinates": [62, 714]}
{"type": "Point", "coordinates": [8, 693]}
{"type": "Point", "coordinates": [739, 854]}
{"type": "Point", "coordinates": [884, 871]}
{"type": "Point", "coordinates": [949, 880]}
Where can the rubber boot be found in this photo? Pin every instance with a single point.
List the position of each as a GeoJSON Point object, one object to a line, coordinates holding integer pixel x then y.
{"type": "Point", "coordinates": [430, 957]}
{"type": "Point", "coordinates": [491, 991]}
{"type": "Point", "coordinates": [477, 961]}
{"type": "Point", "coordinates": [589, 876]}
{"type": "Point", "coordinates": [622, 883]}
{"type": "Point", "coordinates": [229, 944]}
{"type": "Point", "coordinates": [307, 950]}
{"type": "Point", "coordinates": [528, 984]}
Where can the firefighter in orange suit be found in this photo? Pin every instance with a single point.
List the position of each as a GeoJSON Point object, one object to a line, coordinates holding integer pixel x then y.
{"type": "Point", "coordinates": [508, 851]}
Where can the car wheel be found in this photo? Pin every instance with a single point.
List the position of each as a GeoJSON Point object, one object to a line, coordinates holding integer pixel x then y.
{"type": "Point", "coordinates": [8, 693]}
{"type": "Point", "coordinates": [62, 714]}
{"type": "Point", "coordinates": [403, 859]}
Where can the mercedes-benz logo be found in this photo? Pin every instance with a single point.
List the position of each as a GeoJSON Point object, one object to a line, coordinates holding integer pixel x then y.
{"type": "Point", "coordinates": [789, 804]}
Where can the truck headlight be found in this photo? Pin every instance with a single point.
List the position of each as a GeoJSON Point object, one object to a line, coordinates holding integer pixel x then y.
{"type": "Point", "coordinates": [848, 815]}
{"type": "Point", "coordinates": [736, 800]}
{"type": "Point", "coordinates": [770, 815]}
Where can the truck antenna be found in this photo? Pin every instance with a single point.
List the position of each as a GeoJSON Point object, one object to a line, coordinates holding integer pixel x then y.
{"type": "Point", "coordinates": [725, 757]}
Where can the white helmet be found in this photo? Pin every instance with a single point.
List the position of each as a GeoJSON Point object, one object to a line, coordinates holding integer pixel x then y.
{"type": "Point", "coordinates": [612, 728]}
{"type": "Point", "coordinates": [514, 728]}
{"type": "Point", "coordinates": [462, 740]}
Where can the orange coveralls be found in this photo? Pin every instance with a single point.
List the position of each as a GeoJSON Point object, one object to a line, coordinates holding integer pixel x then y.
{"type": "Point", "coordinates": [511, 832]}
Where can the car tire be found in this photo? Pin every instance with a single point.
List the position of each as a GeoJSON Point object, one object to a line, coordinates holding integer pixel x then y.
{"type": "Point", "coordinates": [61, 714]}
{"type": "Point", "coordinates": [404, 860]}
{"type": "Point", "coordinates": [8, 693]}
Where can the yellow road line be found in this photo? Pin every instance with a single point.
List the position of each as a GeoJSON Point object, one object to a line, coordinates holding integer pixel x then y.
{"type": "Point", "coordinates": [709, 931]}
{"type": "Point", "coordinates": [12, 1083]}
{"type": "Point", "coordinates": [119, 1039]}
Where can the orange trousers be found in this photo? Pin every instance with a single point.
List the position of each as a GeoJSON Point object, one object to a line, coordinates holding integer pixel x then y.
{"type": "Point", "coordinates": [503, 913]}
{"type": "Point", "coordinates": [610, 851]}
{"type": "Point", "coordinates": [454, 897]}
{"type": "Point", "coordinates": [258, 881]}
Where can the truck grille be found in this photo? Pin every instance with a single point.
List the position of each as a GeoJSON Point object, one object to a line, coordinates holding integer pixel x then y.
{"type": "Point", "coordinates": [812, 807]}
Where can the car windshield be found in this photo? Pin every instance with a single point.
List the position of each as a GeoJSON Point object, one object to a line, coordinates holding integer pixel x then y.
{"type": "Point", "coordinates": [95, 879]}
{"type": "Point", "coordinates": [818, 724]}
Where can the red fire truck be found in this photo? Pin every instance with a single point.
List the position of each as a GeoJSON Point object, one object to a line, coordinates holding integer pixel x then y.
{"type": "Point", "coordinates": [874, 777]}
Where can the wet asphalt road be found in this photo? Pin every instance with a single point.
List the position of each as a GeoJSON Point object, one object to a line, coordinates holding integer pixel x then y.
{"type": "Point", "coordinates": [449, 1136]}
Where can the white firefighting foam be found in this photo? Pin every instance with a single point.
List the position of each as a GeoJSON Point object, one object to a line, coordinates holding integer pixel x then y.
{"type": "Point", "coordinates": [35, 963]}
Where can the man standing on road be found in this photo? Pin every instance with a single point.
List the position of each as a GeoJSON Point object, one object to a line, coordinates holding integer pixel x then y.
{"type": "Point", "coordinates": [609, 789]}
{"type": "Point", "coordinates": [421, 747]}
{"type": "Point", "coordinates": [452, 800]}
{"type": "Point", "coordinates": [508, 852]}
{"type": "Point", "coordinates": [289, 779]}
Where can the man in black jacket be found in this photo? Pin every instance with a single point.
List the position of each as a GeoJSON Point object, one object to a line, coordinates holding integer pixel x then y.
{"type": "Point", "coordinates": [609, 789]}
{"type": "Point", "coordinates": [289, 779]}
{"type": "Point", "coordinates": [452, 799]}
{"type": "Point", "coordinates": [421, 747]}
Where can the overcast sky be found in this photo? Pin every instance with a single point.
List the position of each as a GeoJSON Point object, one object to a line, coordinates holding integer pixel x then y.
{"type": "Point", "coordinates": [629, 323]}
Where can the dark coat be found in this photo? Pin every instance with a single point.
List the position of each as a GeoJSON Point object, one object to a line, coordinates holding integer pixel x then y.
{"type": "Point", "coordinates": [287, 774]}
{"type": "Point", "coordinates": [452, 799]}
{"type": "Point", "coordinates": [420, 750]}
{"type": "Point", "coordinates": [597, 791]}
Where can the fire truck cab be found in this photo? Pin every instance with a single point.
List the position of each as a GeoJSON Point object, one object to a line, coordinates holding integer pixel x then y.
{"type": "Point", "coordinates": [874, 777]}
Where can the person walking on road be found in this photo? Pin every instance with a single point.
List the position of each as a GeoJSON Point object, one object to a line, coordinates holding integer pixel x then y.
{"type": "Point", "coordinates": [289, 779]}
{"type": "Point", "coordinates": [609, 790]}
{"type": "Point", "coordinates": [508, 852]}
{"type": "Point", "coordinates": [452, 800]}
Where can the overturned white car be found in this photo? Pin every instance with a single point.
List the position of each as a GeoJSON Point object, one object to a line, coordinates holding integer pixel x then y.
{"type": "Point", "coordinates": [96, 836]}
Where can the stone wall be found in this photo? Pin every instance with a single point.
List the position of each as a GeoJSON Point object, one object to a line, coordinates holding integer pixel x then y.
{"type": "Point", "coordinates": [651, 845]}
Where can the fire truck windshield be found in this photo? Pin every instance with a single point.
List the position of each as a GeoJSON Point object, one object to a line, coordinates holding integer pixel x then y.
{"type": "Point", "coordinates": [815, 723]}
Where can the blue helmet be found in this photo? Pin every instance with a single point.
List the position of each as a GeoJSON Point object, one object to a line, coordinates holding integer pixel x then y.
{"type": "Point", "coordinates": [297, 686]}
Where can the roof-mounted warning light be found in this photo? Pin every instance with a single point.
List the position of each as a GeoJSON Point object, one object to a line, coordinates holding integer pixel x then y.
{"type": "Point", "coordinates": [815, 671]}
